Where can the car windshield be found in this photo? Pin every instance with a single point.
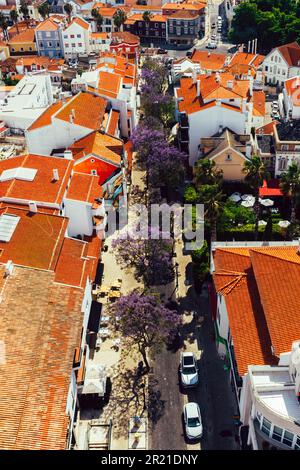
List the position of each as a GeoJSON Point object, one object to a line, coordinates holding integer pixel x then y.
{"type": "Point", "coordinates": [194, 422]}
{"type": "Point", "coordinates": [189, 370]}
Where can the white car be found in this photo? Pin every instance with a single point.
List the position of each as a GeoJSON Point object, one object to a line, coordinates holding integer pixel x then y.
{"type": "Point", "coordinates": [192, 421]}
{"type": "Point", "coordinates": [188, 370]}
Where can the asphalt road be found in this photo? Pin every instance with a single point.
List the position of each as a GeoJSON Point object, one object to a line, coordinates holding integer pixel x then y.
{"type": "Point", "coordinates": [213, 394]}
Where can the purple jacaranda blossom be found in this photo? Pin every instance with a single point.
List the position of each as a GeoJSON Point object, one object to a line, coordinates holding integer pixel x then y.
{"type": "Point", "coordinates": [144, 320]}
{"type": "Point", "coordinates": [150, 257]}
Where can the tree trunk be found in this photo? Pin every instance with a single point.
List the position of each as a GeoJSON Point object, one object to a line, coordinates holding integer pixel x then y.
{"type": "Point", "coordinates": [213, 231]}
{"type": "Point", "coordinates": [256, 211]}
{"type": "Point", "coordinates": [293, 212]}
{"type": "Point", "coordinates": [145, 359]}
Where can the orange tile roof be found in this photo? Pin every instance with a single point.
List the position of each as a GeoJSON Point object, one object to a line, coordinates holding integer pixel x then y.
{"type": "Point", "coordinates": [98, 35]}
{"type": "Point", "coordinates": [208, 60]}
{"type": "Point", "coordinates": [89, 110]}
{"type": "Point", "coordinates": [259, 103]}
{"type": "Point", "coordinates": [106, 11]}
{"type": "Point", "coordinates": [26, 36]}
{"type": "Point", "coordinates": [84, 188]}
{"type": "Point", "coordinates": [37, 239]}
{"type": "Point", "coordinates": [40, 325]}
{"type": "Point", "coordinates": [80, 22]}
{"type": "Point", "coordinates": [291, 53]}
{"type": "Point", "coordinates": [45, 119]}
{"type": "Point", "coordinates": [243, 58]}
{"type": "Point", "coordinates": [234, 279]}
{"type": "Point", "coordinates": [109, 84]}
{"type": "Point", "coordinates": [113, 122]}
{"type": "Point", "coordinates": [278, 272]}
{"type": "Point", "coordinates": [42, 188]}
{"type": "Point", "coordinates": [261, 289]}
{"type": "Point", "coordinates": [100, 145]}
{"type": "Point", "coordinates": [139, 17]}
{"type": "Point", "coordinates": [185, 15]}
{"type": "Point", "coordinates": [292, 87]}
{"type": "Point", "coordinates": [48, 25]}
{"type": "Point", "coordinates": [184, 6]}
{"type": "Point", "coordinates": [267, 129]}
{"type": "Point", "coordinates": [78, 260]}
{"type": "Point", "coordinates": [124, 36]}
{"type": "Point", "coordinates": [210, 89]}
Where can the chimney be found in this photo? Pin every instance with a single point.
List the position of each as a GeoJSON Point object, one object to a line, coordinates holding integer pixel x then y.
{"type": "Point", "coordinates": [9, 266]}
{"type": "Point", "coordinates": [68, 155]}
{"type": "Point", "coordinates": [218, 102]}
{"type": "Point", "coordinates": [71, 119]}
{"type": "Point", "coordinates": [194, 75]}
{"type": "Point", "coordinates": [230, 84]}
{"type": "Point", "coordinates": [73, 113]}
{"type": "Point", "coordinates": [55, 175]}
{"type": "Point", "coordinates": [32, 206]}
{"type": "Point", "coordinates": [198, 87]}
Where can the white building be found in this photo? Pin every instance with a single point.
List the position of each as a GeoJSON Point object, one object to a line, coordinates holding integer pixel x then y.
{"type": "Point", "coordinates": [99, 42]}
{"type": "Point", "coordinates": [76, 38]}
{"type": "Point", "coordinates": [281, 63]}
{"type": "Point", "coordinates": [255, 307]}
{"type": "Point", "coordinates": [291, 97]}
{"type": "Point", "coordinates": [65, 122]}
{"type": "Point", "coordinates": [207, 104]}
{"type": "Point", "coordinates": [30, 98]}
{"type": "Point", "coordinates": [115, 80]}
{"type": "Point", "coordinates": [270, 403]}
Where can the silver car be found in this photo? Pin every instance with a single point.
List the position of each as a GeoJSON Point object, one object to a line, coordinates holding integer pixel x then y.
{"type": "Point", "coordinates": [188, 370]}
{"type": "Point", "coordinates": [192, 421]}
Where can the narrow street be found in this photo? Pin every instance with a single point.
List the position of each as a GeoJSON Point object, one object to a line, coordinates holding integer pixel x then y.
{"type": "Point", "coordinates": [213, 394]}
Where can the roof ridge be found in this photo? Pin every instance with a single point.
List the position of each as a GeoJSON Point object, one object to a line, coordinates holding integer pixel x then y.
{"type": "Point", "coordinates": [255, 250]}
{"type": "Point", "coordinates": [229, 249]}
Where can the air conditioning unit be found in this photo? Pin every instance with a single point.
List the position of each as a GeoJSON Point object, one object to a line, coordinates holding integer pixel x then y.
{"type": "Point", "coordinates": [9, 267]}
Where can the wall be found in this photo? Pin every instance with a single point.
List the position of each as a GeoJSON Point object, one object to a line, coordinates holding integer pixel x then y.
{"type": "Point", "coordinates": [232, 169]}
{"type": "Point", "coordinates": [207, 122]}
{"type": "Point", "coordinates": [80, 215]}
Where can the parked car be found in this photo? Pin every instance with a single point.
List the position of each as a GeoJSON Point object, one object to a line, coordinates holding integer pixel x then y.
{"type": "Point", "coordinates": [188, 369]}
{"type": "Point", "coordinates": [220, 19]}
{"type": "Point", "coordinates": [274, 104]}
{"type": "Point", "coordinates": [213, 25]}
{"type": "Point", "coordinates": [162, 51]}
{"type": "Point", "coordinates": [189, 53]}
{"type": "Point", "coordinates": [211, 45]}
{"type": "Point", "coordinates": [213, 37]}
{"type": "Point", "coordinates": [192, 421]}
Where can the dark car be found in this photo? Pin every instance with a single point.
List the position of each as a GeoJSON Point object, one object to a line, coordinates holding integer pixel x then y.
{"type": "Point", "coordinates": [162, 51]}
{"type": "Point", "coordinates": [189, 53]}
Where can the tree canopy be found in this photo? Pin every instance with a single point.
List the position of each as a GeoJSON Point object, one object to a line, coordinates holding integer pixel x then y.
{"type": "Point", "coordinates": [272, 22]}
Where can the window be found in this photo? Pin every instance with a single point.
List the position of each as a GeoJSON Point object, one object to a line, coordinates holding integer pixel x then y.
{"type": "Point", "coordinates": [297, 445]}
{"type": "Point", "coordinates": [284, 147]}
{"type": "Point", "coordinates": [30, 48]}
{"type": "Point", "coordinates": [22, 49]}
{"type": "Point", "coordinates": [66, 45]}
{"type": "Point", "coordinates": [73, 44]}
{"type": "Point", "coordinates": [163, 26]}
{"type": "Point", "coordinates": [79, 35]}
{"type": "Point", "coordinates": [156, 25]}
{"type": "Point", "coordinates": [266, 426]}
{"type": "Point", "coordinates": [41, 45]}
{"type": "Point", "coordinates": [228, 157]}
{"type": "Point", "coordinates": [288, 438]}
{"type": "Point", "coordinates": [65, 36]}
{"type": "Point", "coordinates": [72, 36]}
{"type": "Point", "coordinates": [277, 433]}
{"type": "Point", "coordinates": [266, 68]}
{"type": "Point", "coordinates": [49, 44]}
{"type": "Point", "coordinates": [80, 44]}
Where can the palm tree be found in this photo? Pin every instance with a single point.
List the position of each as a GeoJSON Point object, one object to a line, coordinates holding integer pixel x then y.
{"type": "Point", "coordinates": [25, 11]}
{"type": "Point", "coordinates": [119, 18]}
{"type": "Point", "coordinates": [205, 172]}
{"type": "Point", "coordinates": [290, 186]}
{"type": "Point", "coordinates": [147, 15]}
{"type": "Point", "coordinates": [68, 9]}
{"type": "Point", "coordinates": [3, 25]}
{"type": "Point", "coordinates": [255, 174]}
{"type": "Point", "coordinates": [98, 18]}
{"type": "Point", "coordinates": [14, 17]}
{"type": "Point", "coordinates": [44, 10]}
{"type": "Point", "coordinates": [212, 197]}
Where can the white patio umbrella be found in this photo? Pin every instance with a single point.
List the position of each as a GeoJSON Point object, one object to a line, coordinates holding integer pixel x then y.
{"type": "Point", "coordinates": [247, 203]}
{"type": "Point", "coordinates": [247, 196]}
{"type": "Point", "coordinates": [262, 223]}
{"type": "Point", "coordinates": [284, 223]}
{"type": "Point", "coordinates": [235, 197]}
{"type": "Point", "coordinates": [267, 202]}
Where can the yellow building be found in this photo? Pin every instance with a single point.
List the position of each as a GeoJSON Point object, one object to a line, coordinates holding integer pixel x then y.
{"type": "Point", "coordinates": [23, 43]}
{"type": "Point", "coordinates": [229, 151]}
